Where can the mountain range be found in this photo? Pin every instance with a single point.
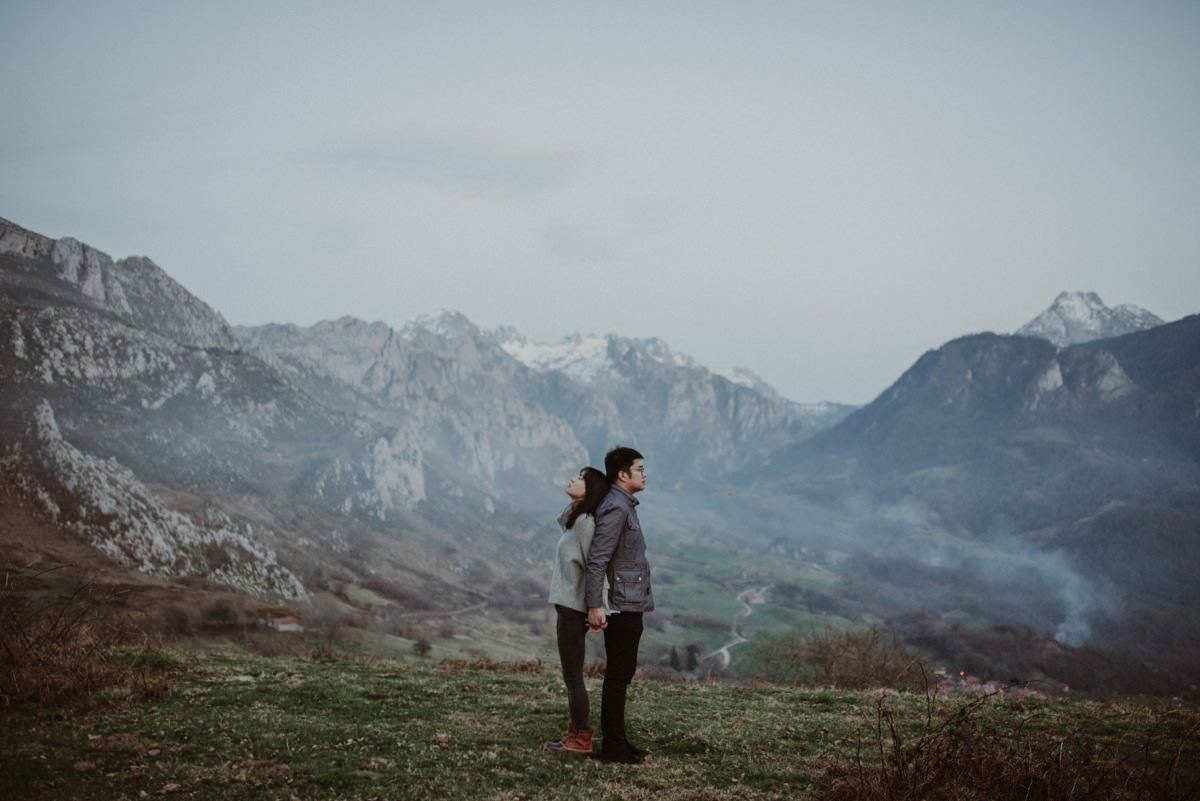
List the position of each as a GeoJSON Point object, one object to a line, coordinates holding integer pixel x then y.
{"type": "Point", "coordinates": [1003, 480]}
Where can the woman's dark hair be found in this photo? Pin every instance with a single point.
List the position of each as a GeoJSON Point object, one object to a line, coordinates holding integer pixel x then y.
{"type": "Point", "coordinates": [596, 486]}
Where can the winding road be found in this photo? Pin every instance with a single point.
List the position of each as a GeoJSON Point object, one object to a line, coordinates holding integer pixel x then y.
{"type": "Point", "coordinates": [736, 628]}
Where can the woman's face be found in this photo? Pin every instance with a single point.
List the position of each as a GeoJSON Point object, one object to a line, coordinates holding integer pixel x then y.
{"type": "Point", "coordinates": [576, 489]}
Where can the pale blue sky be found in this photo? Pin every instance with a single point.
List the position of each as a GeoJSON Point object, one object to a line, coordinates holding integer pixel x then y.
{"type": "Point", "coordinates": [818, 191]}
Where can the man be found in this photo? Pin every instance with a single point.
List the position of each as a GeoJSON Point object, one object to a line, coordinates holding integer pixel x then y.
{"type": "Point", "coordinates": [618, 551]}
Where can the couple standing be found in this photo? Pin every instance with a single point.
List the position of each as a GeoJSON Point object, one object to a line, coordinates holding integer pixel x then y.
{"type": "Point", "coordinates": [601, 582]}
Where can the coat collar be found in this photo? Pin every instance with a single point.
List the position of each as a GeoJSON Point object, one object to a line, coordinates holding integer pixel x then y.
{"type": "Point", "coordinates": [626, 494]}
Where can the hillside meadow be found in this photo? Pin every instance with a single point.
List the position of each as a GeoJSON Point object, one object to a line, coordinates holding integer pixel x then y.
{"type": "Point", "coordinates": [218, 723]}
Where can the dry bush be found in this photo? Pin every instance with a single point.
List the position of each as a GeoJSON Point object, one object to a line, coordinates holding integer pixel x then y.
{"type": "Point", "coordinates": [72, 648]}
{"type": "Point", "coordinates": [324, 618]}
{"type": "Point", "coordinates": [407, 597]}
{"type": "Point", "coordinates": [661, 673]}
{"type": "Point", "coordinates": [177, 621]}
{"type": "Point", "coordinates": [459, 667]}
{"type": "Point", "coordinates": [354, 619]}
{"type": "Point", "coordinates": [852, 658]}
{"type": "Point", "coordinates": [959, 754]}
{"type": "Point", "coordinates": [225, 613]}
{"type": "Point", "coordinates": [328, 652]}
{"type": "Point", "coordinates": [395, 623]}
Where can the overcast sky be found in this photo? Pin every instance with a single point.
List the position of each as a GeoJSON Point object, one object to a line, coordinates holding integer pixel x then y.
{"type": "Point", "coordinates": [820, 192]}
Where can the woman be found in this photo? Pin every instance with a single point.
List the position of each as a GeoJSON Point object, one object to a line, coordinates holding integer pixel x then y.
{"type": "Point", "coordinates": [566, 593]}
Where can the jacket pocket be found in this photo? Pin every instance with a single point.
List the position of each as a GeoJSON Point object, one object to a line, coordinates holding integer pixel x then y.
{"type": "Point", "coordinates": [629, 586]}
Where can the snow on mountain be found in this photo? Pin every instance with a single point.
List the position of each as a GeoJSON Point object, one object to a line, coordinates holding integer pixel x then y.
{"type": "Point", "coordinates": [583, 358]}
{"type": "Point", "coordinates": [590, 358]}
{"type": "Point", "coordinates": [694, 419]}
{"type": "Point", "coordinates": [1077, 317]}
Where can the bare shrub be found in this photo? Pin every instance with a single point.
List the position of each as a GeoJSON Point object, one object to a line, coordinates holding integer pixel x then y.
{"type": "Point", "coordinates": [422, 647]}
{"type": "Point", "coordinates": [393, 590]}
{"type": "Point", "coordinates": [177, 621]}
{"type": "Point", "coordinates": [459, 667]}
{"type": "Point", "coordinates": [661, 673]}
{"type": "Point", "coordinates": [960, 754]}
{"type": "Point", "coordinates": [70, 648]}
{"type": "Point", "coordinates": [327, 653]}
{"type": "Point", "coordinates": [852, 658]}
{"type": "Point", "coordinates": [273, 644]}
{"type": "Point", "coordinates": [395, 623]}
{"type": "Point", "coordinates": [324, 618]}
{"type": "Point", "coordinates": [355, 619]}
{"type": "Point", "coordinates": [224, 613]}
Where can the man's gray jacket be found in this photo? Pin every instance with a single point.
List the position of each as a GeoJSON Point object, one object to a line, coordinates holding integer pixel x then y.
{"type": "Point", "coordinates": [618, 550]}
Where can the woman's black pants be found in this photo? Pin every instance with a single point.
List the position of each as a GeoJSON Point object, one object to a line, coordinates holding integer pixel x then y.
{"type": "Point", "coordinates": [572, 631]}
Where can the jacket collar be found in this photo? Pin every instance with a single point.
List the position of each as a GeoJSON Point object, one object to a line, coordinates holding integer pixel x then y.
{"type": "Point", "coordinates": [627, 495]}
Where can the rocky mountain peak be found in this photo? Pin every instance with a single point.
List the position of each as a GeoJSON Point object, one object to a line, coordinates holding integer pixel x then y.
{"type": "Point", "coordinates": [135, 289]}
{"type": "Point", "coordinates": [661, 352]}
{"type": "Point", "coordinates": [745, 377]}
{"type": "Point", "coordinates": [1077, 317]}
{"type": "Point", "coordinates": [446, 323]}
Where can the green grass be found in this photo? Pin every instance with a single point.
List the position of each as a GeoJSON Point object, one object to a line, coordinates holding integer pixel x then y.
{"type": "Point", "coordinates": [364, 598]}
{"type": "Point", "coordinates": [706, 583]}
{"type": "Point", "coordinates": [240, 726]}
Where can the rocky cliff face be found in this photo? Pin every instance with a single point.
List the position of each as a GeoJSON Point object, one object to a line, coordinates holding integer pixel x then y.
{"type": "Point", "coordinates": [131, 413]}
{"type": "Point", "coordinates": [135, 290]}
{"type": "Point", "coordinates": [105, 504]}
{"type": "Point", "coordinates": [444, 382]}
{"type": "Point", "coordinates": [1077, 317]}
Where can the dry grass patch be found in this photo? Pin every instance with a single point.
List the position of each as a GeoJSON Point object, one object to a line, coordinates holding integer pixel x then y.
{"type": "Point", "coordinates": [960, 753]}
{"type": "Point", "coordinates": [71, 647]}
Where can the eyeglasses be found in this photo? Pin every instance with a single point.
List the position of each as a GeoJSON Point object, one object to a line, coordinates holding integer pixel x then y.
{"type": "Point", "coordinates": [641, 470]}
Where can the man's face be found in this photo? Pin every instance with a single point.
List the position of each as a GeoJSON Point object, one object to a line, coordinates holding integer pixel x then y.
{"type": "Point", "coordinates": [636, 481]}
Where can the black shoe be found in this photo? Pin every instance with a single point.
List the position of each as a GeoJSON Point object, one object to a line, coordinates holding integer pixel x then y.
{"type": "Point", "coordinates": [623, 756]}
{"type": "Point", "coordinates": [633, 749]}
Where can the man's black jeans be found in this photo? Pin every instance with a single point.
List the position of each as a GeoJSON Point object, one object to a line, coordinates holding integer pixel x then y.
{"type": "Point", "coordinates": [621, 640]}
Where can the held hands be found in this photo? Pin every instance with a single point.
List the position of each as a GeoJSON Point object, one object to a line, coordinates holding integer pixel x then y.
{"type": "Point", "coordinates": [596, 619]}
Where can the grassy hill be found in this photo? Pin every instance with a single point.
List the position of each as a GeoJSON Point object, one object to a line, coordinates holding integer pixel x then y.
{"type": "Point", "coordinates": [221, 724]}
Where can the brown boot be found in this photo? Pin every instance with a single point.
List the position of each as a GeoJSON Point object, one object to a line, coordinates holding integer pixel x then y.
{"type": "Point", "coordinates": [577, 741]}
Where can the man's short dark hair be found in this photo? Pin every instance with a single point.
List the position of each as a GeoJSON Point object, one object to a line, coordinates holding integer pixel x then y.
{"type": "Point", "coordinates": [620, 460]}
